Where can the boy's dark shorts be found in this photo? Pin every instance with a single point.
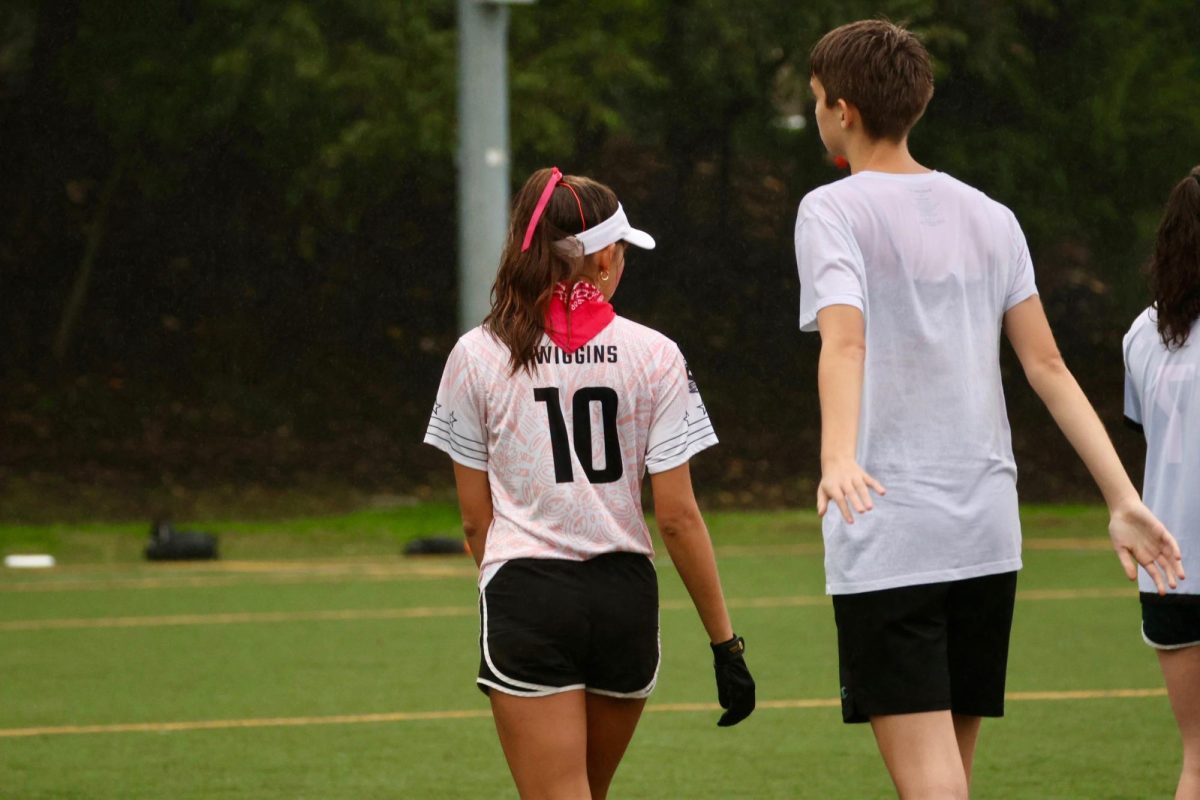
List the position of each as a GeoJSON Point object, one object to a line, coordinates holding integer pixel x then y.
{"type": "Point", "coordinates": [934, 647]}
{"type": "Point", "coordinates": [552, 625]}
{"type": "Point", "coordinates": [1170, 622]}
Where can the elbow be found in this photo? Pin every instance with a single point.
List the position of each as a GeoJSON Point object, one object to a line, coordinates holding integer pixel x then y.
{"type": "Point", "coordinates": [849, 350]}
{"type": "Point", "coordinates": [678, 522]}
{"type": "Point", "coordinates": [473, 528]}
{"type": "Point", "coordinates": [1046, 370]}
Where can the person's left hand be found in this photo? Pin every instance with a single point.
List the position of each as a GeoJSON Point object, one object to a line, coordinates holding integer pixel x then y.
{"type": "Point", "coordinates": [735, 687]}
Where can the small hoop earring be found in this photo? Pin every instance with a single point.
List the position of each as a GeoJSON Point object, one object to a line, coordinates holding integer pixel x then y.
{"type": "Point", "coordinates": [604, 276]}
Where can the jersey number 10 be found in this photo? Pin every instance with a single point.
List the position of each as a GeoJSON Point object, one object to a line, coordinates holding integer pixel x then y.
{"type": "Point", "coordinates": [581, 412]}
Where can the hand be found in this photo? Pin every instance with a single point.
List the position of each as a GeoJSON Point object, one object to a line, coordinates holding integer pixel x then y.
{"type": "Point", "coordinates": [1139, 538]}
{"type": "Point", "coordinates": [845, 483]}
{"type": "Point", "coordinates": [735, 687]}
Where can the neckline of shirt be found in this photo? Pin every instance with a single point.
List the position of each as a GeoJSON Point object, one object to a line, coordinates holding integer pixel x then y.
{"type": "Point", "coordinates": [903, 177]}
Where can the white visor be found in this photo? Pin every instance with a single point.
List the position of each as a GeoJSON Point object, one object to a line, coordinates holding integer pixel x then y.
{"type": "Point", "coordinates": [614, 229]}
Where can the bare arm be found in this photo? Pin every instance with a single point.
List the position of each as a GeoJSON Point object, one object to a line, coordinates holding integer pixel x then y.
{"type": "Point", "coordinates": [840, 382]}
{"type": "Point", "coordinates": [686, 538]}
{"type": "Point", "coordinates": [475, 504]}
{"type": "Point", "coordinates": [1138, 537]}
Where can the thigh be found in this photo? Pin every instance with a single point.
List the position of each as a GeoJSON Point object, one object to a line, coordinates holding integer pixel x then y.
{"type": "Point", "coordinates": [545, 743]}
{"type": "Point", "coordinates": [623, 652]}
{"type": "Point", "coordinates": [922, 754]}
{"type": "Point", "coordinates": [980, 613]}
{"type": "Point", "coordinates": [892, 651]}
{"type": "Point", "coordinates": [1181, 670]}
{"type": "Point", "coordinates": [610, 725]}
{"type": "Point", "coordinates": [1172, 626]}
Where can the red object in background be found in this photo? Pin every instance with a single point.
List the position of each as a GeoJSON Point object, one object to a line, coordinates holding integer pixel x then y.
{"type": "Point", "coordinates": [840, 162]}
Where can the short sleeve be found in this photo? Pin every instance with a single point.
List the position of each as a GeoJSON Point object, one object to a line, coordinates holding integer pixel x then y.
{"type": "Point", "coordinates": [1133, 397]}
{"type": "Point", "coordinates": [1021, 285]}
{"type": "Point", "coordinates": [457, 425]}
{"type": "Point", "coordinates": [680, 426]}
{"type": "Point", "coordinates": [830, 266]}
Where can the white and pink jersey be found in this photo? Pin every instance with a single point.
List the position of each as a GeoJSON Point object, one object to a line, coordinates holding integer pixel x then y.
{"type": "Point", "coordinates": [565, 447]}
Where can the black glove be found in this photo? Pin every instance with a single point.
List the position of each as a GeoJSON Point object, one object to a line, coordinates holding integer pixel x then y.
{"type": "Point", "coordinates": [735, 687]}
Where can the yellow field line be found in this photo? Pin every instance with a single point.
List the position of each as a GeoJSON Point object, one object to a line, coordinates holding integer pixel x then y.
{"type": "Point", "coordinates": [1068, 544]}
{"type": "Point", "coordinates": [225, 724]}
{"type": "Point", "coordinates": [367, 569]}
{"type": "Point", "coordinates": [798, 549]}
{"type": "Point", "coordinates": [343, 615]}
{"type": "Point", "coordinates": [421, 716]}
{"type": "Point", "coordinates": [1129, 592]}
{"type": "Point", "coordinates": [379, 574]}
{"type": "Point", "coordinates": [236, 618]}
{"type": "Point", "coordinates": [815, 547]}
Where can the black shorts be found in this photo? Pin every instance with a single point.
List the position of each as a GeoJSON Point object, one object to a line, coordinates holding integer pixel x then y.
{"type": "Point", "coordinates": [935, 647]}
{"type": "Point", "coordinates": [551, 625]}
{"type": "Point", "coordinates": [1170, 622]}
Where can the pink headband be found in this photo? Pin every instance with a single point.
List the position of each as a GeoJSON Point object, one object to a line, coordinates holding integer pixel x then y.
{"type": "Point", "coordinates": [556, 177]}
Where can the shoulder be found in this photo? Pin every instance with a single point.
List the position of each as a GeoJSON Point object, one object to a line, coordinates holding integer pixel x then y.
{"type": "Point", "coordinates": [1144, 328]}
{"type": "Point", "coordinates": [973, 196]}
{"type": "Point", "coordinates": [478, 348]}
{"type": "Point", "coordinates": [649, 350]}
{"type": "Point", "coordinates": [823, 201]}
{"type": "Point", "coordinates": [1142, 344]}
{"type": "Point", "coordinates": [1143, 322]}
{"type": "Point", "coordinates": [476, 339]}
{"type": "Point", "coordinates": [640, 335]}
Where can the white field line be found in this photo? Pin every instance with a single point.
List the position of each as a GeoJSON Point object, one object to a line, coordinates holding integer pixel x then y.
{"type": "Point", "coordinates": [345, 615]}
{"type": "Point", "coordinates": [421, 716]}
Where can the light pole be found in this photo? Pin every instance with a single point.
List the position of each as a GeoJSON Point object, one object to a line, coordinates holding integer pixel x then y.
{"type": "Point", "coordinates": [483, 151]}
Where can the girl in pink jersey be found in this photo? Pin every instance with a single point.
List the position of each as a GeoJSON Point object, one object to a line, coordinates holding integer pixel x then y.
{"type": "Point", "coordinates": [552, 412]}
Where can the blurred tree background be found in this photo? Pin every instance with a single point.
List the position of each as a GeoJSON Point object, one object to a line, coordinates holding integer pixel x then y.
{"type": "Point", "coordinates": [227, 228]}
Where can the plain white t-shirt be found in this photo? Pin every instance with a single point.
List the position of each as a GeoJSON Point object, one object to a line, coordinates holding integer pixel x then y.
{"type": "Point", "coordinates": [1162, 394]}
{"type": "Point", "coordinates": [566, 445]}
{"type": "Point", "coordinates": [933, 264]}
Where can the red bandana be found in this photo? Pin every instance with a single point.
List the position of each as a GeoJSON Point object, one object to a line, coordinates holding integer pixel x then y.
{"type": "Point", "coordinates": [589, 314]}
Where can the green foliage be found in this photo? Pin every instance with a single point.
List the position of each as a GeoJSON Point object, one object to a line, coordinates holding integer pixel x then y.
{"type": "Point", "coordinates": [324, 97]}
{"type": "Point", "coordinates": [279, 244]}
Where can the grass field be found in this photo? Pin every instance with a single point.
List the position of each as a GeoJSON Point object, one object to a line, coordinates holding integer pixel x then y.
{"type": "Point", "coordinates": [314, 661]}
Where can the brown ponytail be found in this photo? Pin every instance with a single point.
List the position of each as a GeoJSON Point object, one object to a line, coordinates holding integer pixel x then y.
{"type": "Point", "coordinates": [1174, 267]}
{"type": "Point", "coordinates": [525, 280]}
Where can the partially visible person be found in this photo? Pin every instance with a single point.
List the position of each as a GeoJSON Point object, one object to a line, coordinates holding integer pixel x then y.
{"type": "Point", "coordinates": [553, 410]}
{"type": "Point", "coordinates": [1162, 400]}
{"type": "Point", "coordinates": [910, 276]}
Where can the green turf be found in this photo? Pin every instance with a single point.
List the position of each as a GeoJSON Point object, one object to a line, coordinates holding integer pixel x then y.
{"type": "Point", "coordinates": [1093, 748]}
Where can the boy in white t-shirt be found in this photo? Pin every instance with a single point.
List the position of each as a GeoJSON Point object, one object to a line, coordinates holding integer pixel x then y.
{"type": "Point", "coordinates": [910, 275]}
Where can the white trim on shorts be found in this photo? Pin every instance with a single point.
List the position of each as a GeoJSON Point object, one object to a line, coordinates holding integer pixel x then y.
{"type": "Point", "coordinates": [644, 692]}
{"type": "Point", "coordinates": [523, 689]}
{"type": "Point", "coordinates": [1158, 646]}
{"type": "Point", "coordinates": [530, 689]}
{"type": "Point", "coordinates": [517, 693]}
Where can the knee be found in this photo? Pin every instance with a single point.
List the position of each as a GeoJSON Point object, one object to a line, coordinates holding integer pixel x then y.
{"type": "Point", "coordinates": [1191, 756]}
{"type": "Point", "coordinates": [946, 789]}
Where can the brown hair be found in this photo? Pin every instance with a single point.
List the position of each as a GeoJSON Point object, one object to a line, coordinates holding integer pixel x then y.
{"type": "Point", "coordinates": [525, 280]}
{"type": "Point", "coordinates": [1174, 266]}
{"type": "Point", "coordinates": [880, 68]}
